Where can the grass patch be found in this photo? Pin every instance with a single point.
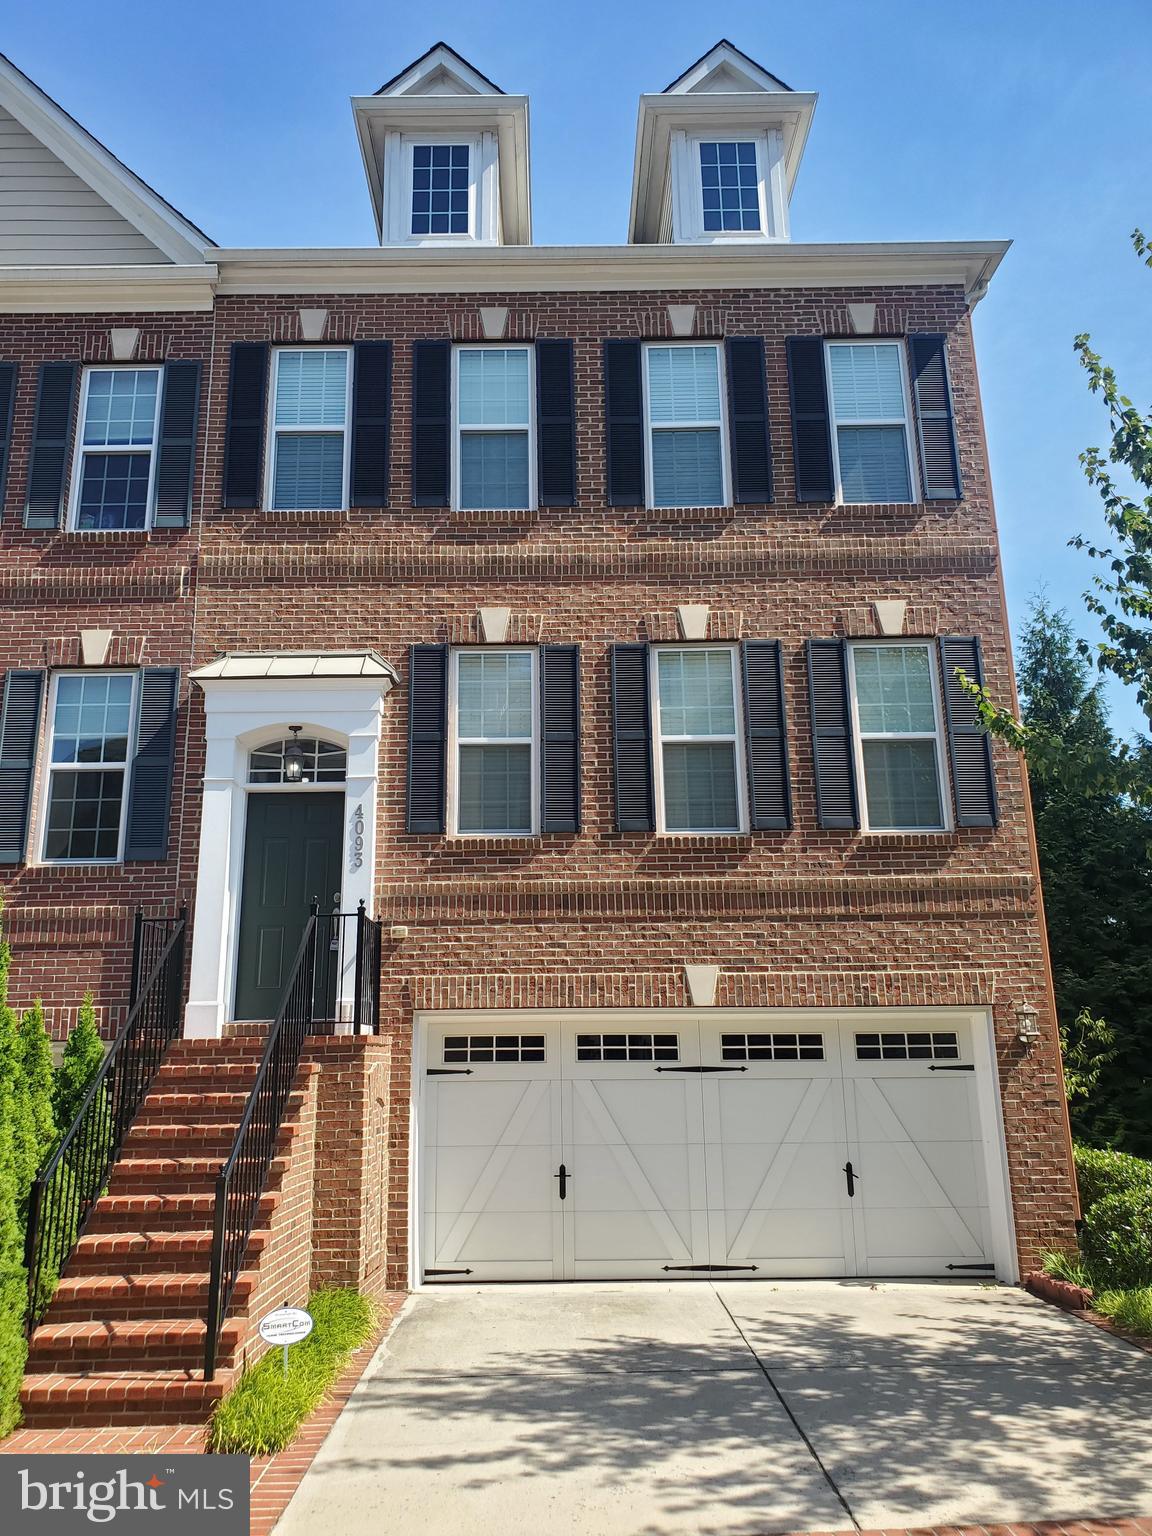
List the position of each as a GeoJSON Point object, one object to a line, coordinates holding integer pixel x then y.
{"type": "Point", "coordinates": [1069, 1267]}
{"type": "Point", "coordinates": [266, 1407]}
{"type": "Point", "coordinates": [1130, 1310]}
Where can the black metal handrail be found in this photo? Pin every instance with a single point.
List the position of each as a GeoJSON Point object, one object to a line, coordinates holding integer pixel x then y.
{"type": "Point", "coordinates": [149, 936]}
{"type": "Point", "coordinates": [347, 990]}
{"type": "Point", "coordinates": [73, 1178]}
{"type": "Point", "coordinates": [242, 1177]}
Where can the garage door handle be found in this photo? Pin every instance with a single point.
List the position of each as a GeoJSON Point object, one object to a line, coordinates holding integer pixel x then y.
{"type": "Point", "coordinates": [563, 1176]}
{"type": "Point", "coordinates": [851, 1175]}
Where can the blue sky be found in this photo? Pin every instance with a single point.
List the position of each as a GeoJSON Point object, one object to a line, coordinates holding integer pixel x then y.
{"type": "Point", "coordinates": [987, 119]}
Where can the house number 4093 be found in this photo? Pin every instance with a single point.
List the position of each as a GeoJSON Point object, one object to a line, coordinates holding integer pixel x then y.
{"type": "Point", "coordinates": [356, 852]}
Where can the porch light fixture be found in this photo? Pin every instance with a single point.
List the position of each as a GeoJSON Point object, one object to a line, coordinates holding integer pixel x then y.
{"type": "Point", "coordinates": [294, 757]}
{"type": "Point", "coordinates": [1027, 1024]}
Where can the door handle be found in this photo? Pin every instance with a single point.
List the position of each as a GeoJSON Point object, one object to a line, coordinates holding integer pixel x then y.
{"type": "Point", "coordinates": [563, 1176]}
{"type": "Point", "coordinates": [852, 1177]}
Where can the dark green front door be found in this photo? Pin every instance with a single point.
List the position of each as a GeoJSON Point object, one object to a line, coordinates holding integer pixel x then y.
{"type": "Point", "coordinates": [292, 852]}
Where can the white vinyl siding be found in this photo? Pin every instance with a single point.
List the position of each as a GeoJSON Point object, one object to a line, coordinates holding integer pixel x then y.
{"type": "Point", "coordinates": [684, 428]}
{"type": "Point", "coordinates": [699, 773]}
{"type": "Point", "coordinates": [52, 218]}
{"type": "Point", "coordinates": [899, 750]}
{"type": "Point", "coordinates": [308, 438]}
{"type": "Point", "coordinates": [494, 743]}
{"type": "Point", "coordinates": [92, 719]}
{"type": "Point", "coordinates": [114, 462]}
{"type": "Point", "coordinates": [494, 429]}
{"type": "Point", "coordinates": [868, 392]}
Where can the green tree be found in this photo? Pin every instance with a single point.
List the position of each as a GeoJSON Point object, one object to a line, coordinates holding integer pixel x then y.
{"type": "Point", "coordinates": [1094, 844]}
{"type": "Point", "coordinates": [13, 1280]}
{"type": "Point", "coordinates": [83, 1053]}
{"type": "Point", "coordinates": [39, 1077]}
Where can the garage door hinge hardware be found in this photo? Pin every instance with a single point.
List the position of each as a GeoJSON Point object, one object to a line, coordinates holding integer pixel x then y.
{"type": "Point", "coordinates": [449, 1071]}
{"type": "Point", "coordinates": [707, 1269]}
{"type": "Point", "coordinates": [969, 1266]}
{"type": "Point", "coordinates": [701, 1069]}
{"type": "Point", "coordinates": [952, 1069]}
{"type": "Point", "coordinates": [428, 1272]}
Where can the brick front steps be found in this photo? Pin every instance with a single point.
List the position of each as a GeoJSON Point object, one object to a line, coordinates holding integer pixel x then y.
{"type": "Point", "coordinates": [123, 1340]}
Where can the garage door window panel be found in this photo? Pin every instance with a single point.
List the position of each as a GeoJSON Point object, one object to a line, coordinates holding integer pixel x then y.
{"type": "Point", "coordinates": [699, 768]}
{"type": "Point", "coordinates": [895, 703]}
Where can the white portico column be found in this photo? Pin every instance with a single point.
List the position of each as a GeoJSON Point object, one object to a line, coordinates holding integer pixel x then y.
{"type": "Point", "coordinates": [250, 700]}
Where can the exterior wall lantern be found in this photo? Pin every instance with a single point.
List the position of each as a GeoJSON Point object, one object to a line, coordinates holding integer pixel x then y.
{"type": "Point", "coordinates": [294, 758]}
{"type": "Point", "coordinates": [1027, 1024]}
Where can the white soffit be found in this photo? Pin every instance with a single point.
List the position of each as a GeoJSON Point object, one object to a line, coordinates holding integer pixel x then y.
{"type": "Point", "coordinates": [442, 93]}
{"type": "Point", "coordinates": [297, 664]}
{"type": "Point", "coordinates": [176, 238]}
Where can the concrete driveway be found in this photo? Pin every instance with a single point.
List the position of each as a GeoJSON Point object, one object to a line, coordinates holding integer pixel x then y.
{"type": "Point", "coordinates": [732, 1410]}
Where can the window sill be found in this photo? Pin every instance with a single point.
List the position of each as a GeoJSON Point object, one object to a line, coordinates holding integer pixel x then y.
{"type": "Point", "coordinates": [510, 842]}
{"type": "Point", "coordinates": [910, 839]}
{"type": "Point", "coordinates": [697, 842]}
{"type": "Point", "coordinates": [493, 517]}
{"type": "Point", "coordinates": [298, 514]}
{"type": "Point", "coordinates": [109, 535]}
{"type": "Point", "coordinates": [688, 514]}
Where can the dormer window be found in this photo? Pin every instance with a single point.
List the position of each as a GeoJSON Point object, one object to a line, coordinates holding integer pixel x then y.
{"type": "Point", "coordinates": [441, 189]}
{"type": "Point", "coordinates": [731, 186]}
{"type": "Point", "coordinates": [728, 187]}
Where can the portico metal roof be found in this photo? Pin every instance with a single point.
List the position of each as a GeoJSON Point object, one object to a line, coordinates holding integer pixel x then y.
{"type": "Point", "coordinates": [255, 664]}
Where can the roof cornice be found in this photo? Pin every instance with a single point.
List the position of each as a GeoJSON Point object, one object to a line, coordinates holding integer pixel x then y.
{"type": "Point", "coordinates": [107, 290]}
{"type": "Point", "coordinates": [534, 268]}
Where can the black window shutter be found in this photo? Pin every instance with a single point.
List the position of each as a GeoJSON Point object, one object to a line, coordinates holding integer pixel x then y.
{"type": "Point", "coordinates": [836, 804]}
{"type": "Point", "coordinates": [556, 423]}
{"type": "Point", "coordinates": [632, 739]}
{"type": "Point", "coordinates": [560, 738]}
{"type": "Point", "coordinates": [624, 415]}
{"type": "Point", "coordinates": [935, 427]}
{"type": "Point", "coordinates": [765, 734]}
{"type": "Point", "coordinates": [51, 435]}
{"type": "Point", "coordinates": [150, 789]}
{"type": "Point", "coordinates": [176, 459]}
{"type": "Point", "coordinates": [748, 420]}
{"type": "Point", "coordinates": [7, 402]}
{"type": "Point", "coordinates": [19, 724]}
{"type": "Point", "coordinates": [371, 387]}
{"type": "Point", "coordinates": [427, 736]}
{"type": "Point", "coordinates": [811, 433]}
{"type": "Point", "coordinates": [244, 436]}
{"type": "Point", "coordinates": [969, 748]}
{"type": "Point", "coordinates": [431, 422]}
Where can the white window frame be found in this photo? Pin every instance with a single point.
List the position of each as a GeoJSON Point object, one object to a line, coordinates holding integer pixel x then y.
{"type": "Point", "coordinates": [688, 187]}
{"type": "Point", "coordinates": [272, 431]}
{"type": "Point", "coordinates": [904, 421]}
{"type": "Point", "coordinates": [659, 738]}
{"type": "Point", "coordinates": [45, 787]}
{"type": "Point", "coordinates": [651, 428]}
{"type": "Point", "coordinates": [502, 426]}
{"type": "Point", "coordinates": [80, 448]}
{"type": "Point", "coordinates": [455, 742]}
{"type": "Point", "coordinates": [483, 188]}
{"type": "Point", "coordinates": [471, 142]}
{"type": "Point", "coordinates": [936, 737]}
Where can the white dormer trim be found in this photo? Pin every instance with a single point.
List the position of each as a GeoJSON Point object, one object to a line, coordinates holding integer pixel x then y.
{"type": "Point", "coordinates": [440, 71]}
{"type": "Point", "coordinates": [483, 188]}
{"type": "Point", "coordinates": [688, 191]}
{"type": "Point", "coordinates": [172, 234]}
{"type": "Point", "coordinates": [725, 68]}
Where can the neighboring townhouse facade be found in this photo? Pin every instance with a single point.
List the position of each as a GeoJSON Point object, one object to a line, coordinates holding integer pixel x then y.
{"type": "Point", "coordinates": [591, 615]}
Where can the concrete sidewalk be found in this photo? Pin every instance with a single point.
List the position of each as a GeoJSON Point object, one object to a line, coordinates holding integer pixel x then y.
{"type": "Point", "coordinates": [732, 1410]}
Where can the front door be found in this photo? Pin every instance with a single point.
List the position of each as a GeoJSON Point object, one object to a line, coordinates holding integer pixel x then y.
{"type": "Point", "coordinates": [292, 850]}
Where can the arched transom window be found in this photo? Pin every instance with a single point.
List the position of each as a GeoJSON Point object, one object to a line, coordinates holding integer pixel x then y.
{"type": "Point", "coordinates": [321, 762]}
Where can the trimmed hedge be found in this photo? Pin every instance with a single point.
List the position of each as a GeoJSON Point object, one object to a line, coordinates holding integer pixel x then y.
{"type": "Point", "coordinates": [1117, 1241]}
{"type": "Point", "coordinates": [1101, 1172]}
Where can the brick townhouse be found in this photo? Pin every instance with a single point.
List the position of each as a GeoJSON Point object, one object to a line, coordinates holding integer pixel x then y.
{"type": "Point", "coordinates": [591, 614]}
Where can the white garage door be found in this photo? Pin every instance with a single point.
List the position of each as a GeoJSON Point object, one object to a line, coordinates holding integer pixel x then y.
{"type": "Point", "coordinates": [574, 1150]}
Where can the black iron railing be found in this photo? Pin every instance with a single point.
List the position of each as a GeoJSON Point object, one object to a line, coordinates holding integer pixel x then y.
{"type": "Point", "coordinates": [149, 936]}
{"type": "Point", "coordinates": [347, 993]}
{"type": "Point", "coordinates": [242, 1178]}
{"type": "Point", "coordinates": [72, 1180]}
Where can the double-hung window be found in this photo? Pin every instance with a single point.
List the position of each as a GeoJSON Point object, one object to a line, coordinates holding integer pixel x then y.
{"type": "Point", "coordinates": [116, 448]}
{"type": "Point", "coordinates": [895, 700]}
{"type": "Point", "coordinates": [308, 439]}
{"type": "Point", "coordinates": [493, 720]}
{"type": "Point", "coordinates": [868, 390]}
{"type": "Point", "coordinates": [683, 392]}
{"type": "Point", "coordinates": [494, 459]}
{"type": "Point", "coordinates": [92, 725]}
{"type": "Point", "coordinates": [696, 713]}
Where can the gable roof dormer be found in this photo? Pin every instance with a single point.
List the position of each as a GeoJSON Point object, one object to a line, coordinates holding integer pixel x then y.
{"type": "Point", "coordinates": [446, 155]}
{"type": "Point", "coordinates": [717, 153]}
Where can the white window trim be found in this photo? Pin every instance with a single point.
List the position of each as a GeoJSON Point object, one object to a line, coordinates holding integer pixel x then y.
{"type": "Point", "coordinates": [483, 198]}
{"type": "Point", "coordinates": [659, 738]}
{"type": "Point", "coordinates": [936, 737]}
{"type": "Point", "coordinates": [45, 787]}
{"type": "Point", "coordinates": [673, 426]}
{"type": "Point", "coordinates": [455, 743]}
{"type": "Point", "coordinates": [688, 187]}
{"type": "Point", "coordinates": [494, 426]}
{"type": "Point", "coordinates": [272, 431]}
{"type": "Point", "coordinates": [880, 421]}
{"type": "Point", "coordinates": [80, 448]}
